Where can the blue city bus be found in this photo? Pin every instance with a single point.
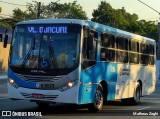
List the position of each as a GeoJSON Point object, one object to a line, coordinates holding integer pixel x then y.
{"type": "Point", "coordinates": [79, 62]}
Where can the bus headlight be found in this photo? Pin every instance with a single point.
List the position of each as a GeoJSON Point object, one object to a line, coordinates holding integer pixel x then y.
{"type": "Point", "coordinates": [68, 85]}
{"type": "Point", "coordinates": [12, 82]}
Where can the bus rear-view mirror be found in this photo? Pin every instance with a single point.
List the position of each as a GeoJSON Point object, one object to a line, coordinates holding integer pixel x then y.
{"type": "Point", "coordinates": [5, 41]}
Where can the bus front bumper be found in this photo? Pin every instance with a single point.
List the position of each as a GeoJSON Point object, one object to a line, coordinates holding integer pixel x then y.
{"type": "Point", "coordinates": [68, 96]}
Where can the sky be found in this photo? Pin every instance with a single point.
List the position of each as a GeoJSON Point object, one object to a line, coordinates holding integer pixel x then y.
{"type": "Point", "coordinates": [131, 6]}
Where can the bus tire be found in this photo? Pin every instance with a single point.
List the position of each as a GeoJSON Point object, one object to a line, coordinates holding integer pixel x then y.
{"type": "Point", "coordinates": [98, 100]}
{"type": "Point", "coordinates": [135, 99]}
{"type": "Point", "coordinates": [42, 104]}
{"type": "Point", "coordinates": [137, 95]}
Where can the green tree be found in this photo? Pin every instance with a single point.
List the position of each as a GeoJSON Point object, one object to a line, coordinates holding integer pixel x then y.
{"type": "Point", "coordinates": [104, 14]}
{"type": "Point", "coordinates": [119, 18]}
{"type": "Point", "coordinates": [67, 10]}
{"type": "Point", "coordinates": [30, 13]}
{"type": "Point", "coordinates": [148, 29]}
{"type": "Point", "coordinates": [19, 14]}
{"type": "Point", "coordinates": [5, 24]}
{"type": "Point", "coordinates": [52, 10]}
{"type": "Point", "coordinates": [123, 20]}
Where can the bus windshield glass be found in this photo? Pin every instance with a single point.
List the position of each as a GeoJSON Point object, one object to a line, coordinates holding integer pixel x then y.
{"type": "Point", "coordinates": [49, 46]}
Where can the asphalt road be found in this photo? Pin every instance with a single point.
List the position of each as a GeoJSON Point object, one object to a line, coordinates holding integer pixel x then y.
{"type": "Point", "coordinates": [150, 106]}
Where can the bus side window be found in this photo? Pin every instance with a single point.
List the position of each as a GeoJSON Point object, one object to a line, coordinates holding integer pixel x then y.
{"type": "Point", "coordinates": [151, 49]}
{"type": "Point", "coordinates": [107, 42]}
{"type": "Point", "coordinates": [85, 38]}
{"type": "Point", "coordinates": [144, 48]}
{"type": "Point", "coordinates": [89, 51]}
{"type": "Point", "coordinates": [133, 55]}
{"type": "Point", "coordinates": [93, 54]}
{"type": "Point", "coordinates": [134, 46]}
{"type": "Point", "coordinates": [122, 44]}
{"type": "Point", "coordinates": [151, 59]}
{"type": "Point", "coordinates": [90, 46]}
{"type": "Point", "coordinates": [144, 58]}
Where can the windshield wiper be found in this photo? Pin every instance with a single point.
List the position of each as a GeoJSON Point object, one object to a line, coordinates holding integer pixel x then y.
{"type": "Point", "coordinates": [28, 54]}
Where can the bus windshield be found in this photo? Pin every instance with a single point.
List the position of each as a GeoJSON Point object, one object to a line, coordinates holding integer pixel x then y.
{"type": "Point", "coordinates": [49, 46]}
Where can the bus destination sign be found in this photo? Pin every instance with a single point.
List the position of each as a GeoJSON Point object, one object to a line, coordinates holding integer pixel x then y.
{"type": "Point", "coordinates": [48, 29]}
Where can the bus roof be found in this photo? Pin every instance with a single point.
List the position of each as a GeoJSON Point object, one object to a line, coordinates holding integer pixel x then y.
{"type": "Point", "coordinates": [93, 25]}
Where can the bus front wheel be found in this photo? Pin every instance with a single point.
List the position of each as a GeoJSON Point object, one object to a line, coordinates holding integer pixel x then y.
{"type": "Point", "coordinates": [98, 100]}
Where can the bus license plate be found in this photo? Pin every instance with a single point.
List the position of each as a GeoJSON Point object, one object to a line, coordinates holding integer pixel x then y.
{"type": "Point", "coordinates": [37, 96]}
{"type": "Point", "coordinates": [46, 86]}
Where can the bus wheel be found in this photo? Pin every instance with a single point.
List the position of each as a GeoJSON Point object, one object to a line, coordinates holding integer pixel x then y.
{"type": "Point", "coordinates": [42, 104]}
{"type": "Point", "coordinates": [137, 95]}
{"type": "Point", "coordinates": [98, 100]}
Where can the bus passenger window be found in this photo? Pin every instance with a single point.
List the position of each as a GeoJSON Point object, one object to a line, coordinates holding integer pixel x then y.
{"type": "Point", "coordinates": [126, 44]}
{"type": "Point", "coordinates": [89, 51]}
{"type": "Point", "coordinates": [85, 38]}
{"type": "Point", "coordinates": [151, 50]}
{"type": "Point", "coordinates": [107, 40]}
{"type": "Point", "coordinates": [151, 60]}
{"type": "Point", "coordinates": [134, 58]}
{"type": "Point", "coordinates": [144, 59]}
{"type": "Point", "coordinates": [134, 46]}
{"type": "Point", "coordinates": [120, 43]}
{"type": "Point", "coordinates": [122, 56]}
{"type": "Point", "coordinates": [144, 48]}
{"type": "Point", "coordinates": [107, 55]}
{"type": "Point", "coordinates": [91, 44]}
{"type": "Point", "coordinates": [112, 41]}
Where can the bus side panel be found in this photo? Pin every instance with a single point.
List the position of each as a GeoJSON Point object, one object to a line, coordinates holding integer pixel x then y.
{"type": "Point", "coordinates": [91, 77]}
{"type": "Point", "coordinates": [126, 80]}
{"type": "Point", "coordinates": [152, 83]}
{"type": "Point", "coordinates": [128, 75]}
{"type": "Point", "coordinates": [148, 77]}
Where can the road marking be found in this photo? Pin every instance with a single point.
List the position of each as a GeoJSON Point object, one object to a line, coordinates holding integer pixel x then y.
{"type": "Point", "coordinates": [144, 108]}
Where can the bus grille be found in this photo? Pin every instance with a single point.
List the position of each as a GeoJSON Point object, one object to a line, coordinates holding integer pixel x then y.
{"type": "Point", "coordinates": [47, 97]}
{"type": "Point", "coordinates": [39, 79]}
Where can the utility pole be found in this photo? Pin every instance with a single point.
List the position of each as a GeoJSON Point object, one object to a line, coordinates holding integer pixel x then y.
{"type": "Point", "coordinates": [39, 10]}
{"type": "Point", "coordinates": [158, 43]}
